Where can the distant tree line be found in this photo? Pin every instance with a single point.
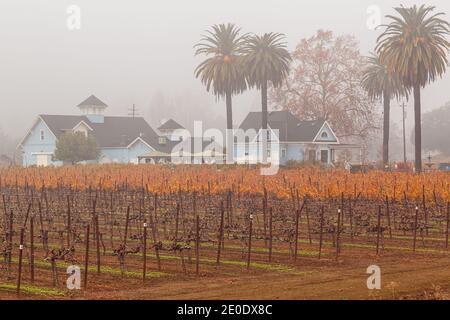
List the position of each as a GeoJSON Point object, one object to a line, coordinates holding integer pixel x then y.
{"type": "Point", "coordinates": [436, 130]}
{"type": "Point", "coordinates": [8, 147]}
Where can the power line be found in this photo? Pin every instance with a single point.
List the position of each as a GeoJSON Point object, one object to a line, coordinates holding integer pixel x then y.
{"type": "Point", "coordinates": [133, 111]}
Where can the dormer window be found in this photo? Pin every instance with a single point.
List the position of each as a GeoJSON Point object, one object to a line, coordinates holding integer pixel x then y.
{"type": "Point", "coordinates": [42, 135]}
{"type": "Point", "coordinates": [162, 140]}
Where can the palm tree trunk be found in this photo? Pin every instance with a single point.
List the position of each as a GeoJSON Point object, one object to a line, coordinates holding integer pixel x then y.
{"type": "Point", "coordinates": [229, 135]}
{"type": "Point", "coordinates": [387, 119]}
{"type": "Point", "coordinates": [418, 128]}
{"type": "Point", "coordinates": [264, 120]}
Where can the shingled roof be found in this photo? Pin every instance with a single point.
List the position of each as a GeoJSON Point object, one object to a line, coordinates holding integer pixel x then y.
{"type": "Point", "coordinates": [290, 128]}
{"type": "Point", "coordinates": [170, 125]}
{"type": "Point", "coordinates": [92, 101]}
{"type": "Point", "coordinates": [115, 132]}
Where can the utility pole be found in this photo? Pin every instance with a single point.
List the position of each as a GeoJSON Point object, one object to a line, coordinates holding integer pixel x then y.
{"type": "Point", "coordinates": [404, 131]}
{"type": "Point", "coordinates": [133, 111]}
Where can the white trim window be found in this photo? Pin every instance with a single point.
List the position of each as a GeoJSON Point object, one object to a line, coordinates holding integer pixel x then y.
{"type": "Point", "coordinates": [162, 140]}
{"type": "Point", "coordinates": [42, 135]}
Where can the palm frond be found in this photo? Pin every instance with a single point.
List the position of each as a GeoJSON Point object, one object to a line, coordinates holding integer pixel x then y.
{"type": "Point", "coordinates": [414, 45]}
{"type": "Point", "coordinates": [266, 59]}
{"type": "Point", "coordinates": [223, 70]}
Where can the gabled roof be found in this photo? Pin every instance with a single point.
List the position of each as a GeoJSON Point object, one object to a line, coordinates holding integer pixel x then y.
{"type": "Point", "coordinates": [322, 130]}
{"type": "Point", "coordinates": [170, 125]}
{"type": "Point", "coordinates": [92, 101]}
{"type": "Point", "coordinates": [60, 124]}
{"type": "Point", "coordinates": [290, 128]}
{"type": "Point", "coordinates": [121, 131]}
{"type": "Point", "coordinates": [83, 123]}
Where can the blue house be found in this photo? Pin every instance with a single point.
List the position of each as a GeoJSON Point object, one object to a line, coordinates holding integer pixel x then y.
{"type": "Point", "coordinates": [289, 139]}
{"type": "Point", "coordinates": [120, 139]}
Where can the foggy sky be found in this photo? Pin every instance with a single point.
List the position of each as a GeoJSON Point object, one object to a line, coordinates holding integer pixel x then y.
{"type": "Point", "coordinates": [128, 51]}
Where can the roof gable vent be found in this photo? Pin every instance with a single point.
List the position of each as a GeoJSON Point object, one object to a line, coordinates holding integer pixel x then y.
{"type": "Point", "coordinates": [162, 140]}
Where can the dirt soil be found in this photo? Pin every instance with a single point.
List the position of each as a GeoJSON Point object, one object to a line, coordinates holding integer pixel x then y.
{"type": "Point", "coordinates": [403, 276]}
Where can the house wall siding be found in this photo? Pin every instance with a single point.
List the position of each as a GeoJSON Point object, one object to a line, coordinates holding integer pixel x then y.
{"type": "Point", "coordinates": [115, 155]}
{"type": "Point", "coordinates": [295, 152]}
{"type": "Point", "coordinates": [246, 154]}
{"type": "Point", "coordinates": [34, 145]}
{"type": "Point", "coordinates": [136, 150]}
{"type": "Point", "coordinates": [124, 155]}
{"type": "Point", "coordinates": [255, 153]}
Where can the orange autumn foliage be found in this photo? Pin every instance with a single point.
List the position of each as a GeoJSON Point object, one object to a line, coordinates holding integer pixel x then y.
{"type": "Point", "coordinates": [311, 182]}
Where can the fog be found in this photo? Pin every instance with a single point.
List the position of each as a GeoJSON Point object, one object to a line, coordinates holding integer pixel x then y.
{"type": "Point", "coordinates": [129, 52]}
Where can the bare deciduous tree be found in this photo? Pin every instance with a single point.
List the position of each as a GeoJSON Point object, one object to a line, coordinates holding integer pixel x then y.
{"type": "Point", "coordinates": [325, 83]}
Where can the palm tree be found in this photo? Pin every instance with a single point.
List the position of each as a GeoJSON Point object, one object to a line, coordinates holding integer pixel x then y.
{"type": "Point", "coordinates": [414, 46]}
{"type": "Point", "coordinates": [382, 84]}
{"type": "Point", "coordinates": [267, 62]}
{"type": "Point", "coordinates": [222, 72]}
